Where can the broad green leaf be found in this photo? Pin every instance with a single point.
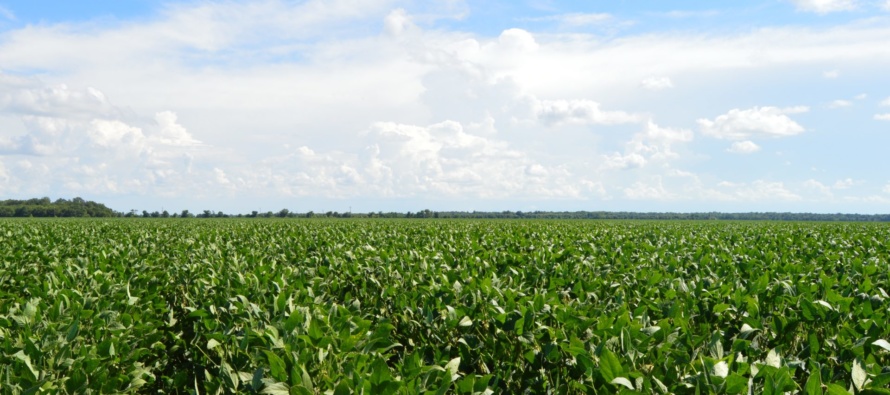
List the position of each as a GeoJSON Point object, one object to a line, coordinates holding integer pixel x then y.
{"type": "Point", "coordinates": [277, 367]}
{"type": "Point", "coordinates": [736, 384]}
{"type": "Point", "coordinates": [835, 389]}
{"type": "Point", "coordinates": [21, 356]}
{"type": "Point", "coordinates": [814, 383]}
{"type": "Point", "coordinates": [276, 389]}
{"type": "Point", "coordinates": [610, 366]}
{"type": "Point", "coordinates": [72, 331]}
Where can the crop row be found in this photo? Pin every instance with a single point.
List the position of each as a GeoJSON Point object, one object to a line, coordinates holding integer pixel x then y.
{"type": "Point", "coordinates": [467, 307]}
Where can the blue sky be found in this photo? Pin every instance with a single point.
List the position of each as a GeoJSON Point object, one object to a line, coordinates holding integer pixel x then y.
{"type": "Point", "coordinates": [779, 105]}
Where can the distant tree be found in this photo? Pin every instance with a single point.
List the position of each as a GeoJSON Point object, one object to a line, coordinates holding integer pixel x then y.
{"type": "Point", "coordinates": [283, 213]}
{"type": "Point", "coordinates": [165, 214]}
{"type": "Point", "coordinates": [185, 214]}
{"type": "Point", "coordinates": [145, 214]}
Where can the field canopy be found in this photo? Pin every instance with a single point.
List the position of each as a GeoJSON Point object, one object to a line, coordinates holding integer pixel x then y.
{"type": "Point", "coordinates": [442, 306]}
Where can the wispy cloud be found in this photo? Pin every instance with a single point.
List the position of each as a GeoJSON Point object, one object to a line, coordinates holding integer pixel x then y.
{"type": "Point", "coordinates": [573, 19]}
{"type": "Point", "coordinates": [825, 6]}
{"type": "Point", "coordinates": [6, 13]}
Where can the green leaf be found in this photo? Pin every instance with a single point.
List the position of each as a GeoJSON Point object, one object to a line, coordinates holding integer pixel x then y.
{"type": "Point", "coordinates": [622, 381]}
{"type": "Point", "coordinates": [72, 331]}
{"type": "Point", "coordinates": [814, 383]}
{"type": "Point", "coordinates": [342, 389]}
{"type": "Point", "coordinates": [257, 381]}
{"type": "Point", "coordinates": [835, 389]}
{"type": "Point", "coordinates": [452, 368]}
{"type": "Point", "coordinates": [736, 384]}
{"type": "Point", "coordinates": [610, 366]}
{"type": "Point", "coordinates": [277, 367]}
{"type": "Point", "coordinates": [276, 389]}
{"type": "Point", "coordinates": [35, 374]}
{"type": "Point", "coordinates": [774, 359]}
{"type": "Point", "coordinates": [860, 377]}
{"type": "Point", "coordinates": [882, 344]}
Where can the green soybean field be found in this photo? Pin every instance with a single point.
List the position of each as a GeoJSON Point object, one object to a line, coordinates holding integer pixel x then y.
{"type": "Point", "coordinates": [340, 306]}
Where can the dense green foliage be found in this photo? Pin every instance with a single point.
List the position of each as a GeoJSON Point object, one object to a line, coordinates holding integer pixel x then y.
{"type": "Point", "coordinates": [44, 207]}
{"type": "Point", "coordinates": [467, 307]}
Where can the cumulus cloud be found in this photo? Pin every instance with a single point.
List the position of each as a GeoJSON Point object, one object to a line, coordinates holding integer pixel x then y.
{"type": "Point", "coordinates": [657, 83]}
{"type": "Point", "coordinates": [754, 122]}
{"type": "Point", "coordinates": [442, 160]}
{"type": "Point", "coordinates": [585, 112]}
{"type": "Point", "coordinates": [882, 117]}
{"type": "Point", "coordinates": [825, 6]}
{"type": "Point", "coordinates": [885, 102]}
{"type": "Point", "coordinates": [77, 140]}
{"type": "Point", "coordinates": [831, 74]}
{"type": "Point", "coordinates": [744, 147]}
{"type": "Point", "coordinates": [654, 143]}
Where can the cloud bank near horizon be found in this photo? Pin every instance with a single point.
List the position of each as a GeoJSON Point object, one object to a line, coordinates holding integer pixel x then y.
{"type": "Point", "coordinates": [393, 105]}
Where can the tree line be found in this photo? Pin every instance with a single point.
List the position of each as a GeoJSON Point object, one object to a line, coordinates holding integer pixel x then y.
{"type": "Point", "coordinates": [78, 207]}
{"type": "Point", "coordinates": [44, 207]}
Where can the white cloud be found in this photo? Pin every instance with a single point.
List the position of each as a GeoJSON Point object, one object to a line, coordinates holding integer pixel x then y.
{"type": "Point", "coordinates": [818, 187]}
{"type": "Point", "coordinates": [886, 188]}
{"type": "Point", "coordinates": [172, 133]}
{"type": "Point", "coordinates": [443, 160]}
{"type": "Point", "coordinates": [657, 83]}
{"type": "Point", "coordinates": [885, 102]}
{"type": "Point", "coordinates": [653, 190]}
{"type": "Point", "coordinates": [227, 88]}
{"type": "Point", "coordinates": [831, 74]}
{"type": "Point", "coordinates": [631, 160]}
{"type": "Point", "coordinates": [886, 5]}
{"type": "Point", "coordinates": [882, 117]}
{"type": "Point", "coordinates": [825, 6]}
{"type": "Point", "coordinates": [691, 14]}
{"type": "Point", "coordinates": [840, 104]}
{"type": "Point", "coordinates": [654, 143]}
{"type": "Point", "coordinates": [844, 184]}
{"type": "Point", "coordinates": [6, 13]}
{"type": "Point", "coordinates": [744, 147]}
{"type": "Point", "coordinates": [585, 112]}
{"type": "Point", "coordinates": [760, 190]}
{"type": "Point", "coordinates": [114, 134]}
{"type": "Point", "coordinates": [861, 96]}
{"type": "Point", "coordinates": [518, 40]}
{"type": "Point", "coordinates": [754, 122]}
{"type": "Point", "coordinates": [574, 19]}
